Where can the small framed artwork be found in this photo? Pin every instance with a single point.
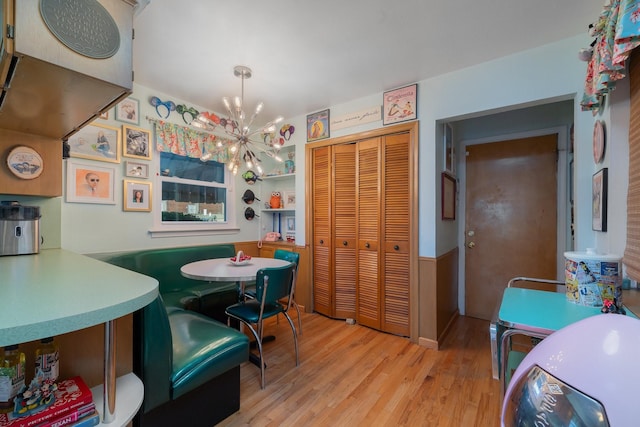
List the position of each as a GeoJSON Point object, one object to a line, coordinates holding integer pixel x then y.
{"type": "Point", "coordinates": [290, 224]}
{"type": "Point", "coordinates": [136, 196]}
{"type": "Point", "coordinates": [449, 150]}
{"type": "Point", "coordinates": [90, 183]}
{"type": "Point", "coordinates": [136, 142]}
{"type": "Point", "coordinates": [136, 169]}
{"type": "Point", "coordinates": [96, 142]}
{"type": "Point", "coordinates": [318, 126]}
{"type": "Point", "coordinates": [399, 105]}
{"type": "Point", "coordinates": [448, 197]}
{"type": "Point", "coordinates": [128, 111]}
{"type": "Point", "coordinates": [599, 200]}
{"type": "Point", "coordinates": [289, 198]}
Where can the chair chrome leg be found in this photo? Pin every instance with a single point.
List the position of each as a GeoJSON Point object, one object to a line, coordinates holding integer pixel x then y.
{"type": "Point", "coordinates": [295, 336]}
{"type": "Point", "coordinates": [295, 304]}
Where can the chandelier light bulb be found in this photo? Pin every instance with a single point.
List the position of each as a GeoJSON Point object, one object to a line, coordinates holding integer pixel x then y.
{"type": "Point", "coordinates": [238, 136]}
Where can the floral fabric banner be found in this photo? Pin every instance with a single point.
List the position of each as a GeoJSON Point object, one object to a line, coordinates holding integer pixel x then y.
{"type": "Point", "coordinates": [617, 33]}
{"type": "Point", "coordinates": [184, 141]}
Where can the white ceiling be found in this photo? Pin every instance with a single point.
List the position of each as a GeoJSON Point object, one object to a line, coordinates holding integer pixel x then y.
{"type": "Point", "coordinates": [307, 56]}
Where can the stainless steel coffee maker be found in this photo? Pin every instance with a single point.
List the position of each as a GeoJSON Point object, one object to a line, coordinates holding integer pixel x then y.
{"type": "Point", "coordinates": [19, 229]}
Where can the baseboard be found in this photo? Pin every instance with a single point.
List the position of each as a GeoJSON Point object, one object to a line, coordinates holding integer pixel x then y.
{"type": "Point", "coordinates": [435, 344]}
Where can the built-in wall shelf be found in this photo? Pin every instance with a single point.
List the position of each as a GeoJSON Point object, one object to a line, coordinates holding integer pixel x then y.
{"type": "Point", "coordinates": [281, 176]}
{"type": "Point", "coordinates": [279, 210]}
{"type": "Point", "coordinates": [129, 395]}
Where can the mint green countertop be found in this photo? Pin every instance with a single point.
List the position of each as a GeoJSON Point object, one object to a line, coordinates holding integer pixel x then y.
{"type": "Point", "coordinates": [58, 291]}
{"type": "Point", "coordinates": [540, 311]}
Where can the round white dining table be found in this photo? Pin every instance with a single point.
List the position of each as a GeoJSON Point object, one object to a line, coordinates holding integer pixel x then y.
{"type": "Point", "coordinates": [223, 269]}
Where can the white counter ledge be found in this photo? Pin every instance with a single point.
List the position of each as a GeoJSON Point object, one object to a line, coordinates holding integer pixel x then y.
{"type": "Point", "coordinates": [58, 291]}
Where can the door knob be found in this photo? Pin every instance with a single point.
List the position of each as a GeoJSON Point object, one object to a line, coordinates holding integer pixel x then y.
{"type": "Point", "coordinates": [471, 245]}
{"type": "Point", "coordinates": [367, 245]}
{"type": "Point", "coordinates": [344, 243]}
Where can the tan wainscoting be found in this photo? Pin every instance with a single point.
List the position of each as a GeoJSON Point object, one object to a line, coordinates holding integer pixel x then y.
{"type": "Point", "coordinates": [303, 286]}
{"type": "Point", "coordinates": [438, 283]}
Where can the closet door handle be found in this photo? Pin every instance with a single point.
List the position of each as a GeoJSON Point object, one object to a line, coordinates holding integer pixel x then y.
{"type": "Point", "coordinates": [344, 243]}
{"type": "Point", "coordinates": [396, 247]}
{"type": "Point", "coordinates": [321, 242]}
{"type": "Point", "coordinates": [367, 245]}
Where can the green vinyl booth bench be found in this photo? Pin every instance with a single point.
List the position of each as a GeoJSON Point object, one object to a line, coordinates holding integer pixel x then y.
{"type": "Point", "coordinates": [185, 354]}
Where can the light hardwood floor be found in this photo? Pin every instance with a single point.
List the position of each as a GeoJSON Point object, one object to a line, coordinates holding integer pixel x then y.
{"type": "Point", "coordinates": [351, 375]}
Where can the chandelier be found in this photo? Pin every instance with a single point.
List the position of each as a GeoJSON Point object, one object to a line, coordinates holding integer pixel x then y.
{"type": "Point", "coordinates": [244, 144]}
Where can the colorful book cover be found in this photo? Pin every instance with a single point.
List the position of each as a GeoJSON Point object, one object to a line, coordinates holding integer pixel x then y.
{"type": "Point", "coordinates": [70, 417]}
{"type": "Point", "coordinates": [70, 395]}
{"type": "Point", "coordinates": [90, 420]}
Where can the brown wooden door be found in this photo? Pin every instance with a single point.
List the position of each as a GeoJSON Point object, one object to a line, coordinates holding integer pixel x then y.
{"type": "Point", "coordinates": [396, 220]}
{"type": "Point", "coordinates": [322, 262]}
{"type": "Point", "coordinates": [368, 205]}
{"type": "Point", "coordinates": [511, 217]}
{"type": "Point", "coordinates": [344, 239]}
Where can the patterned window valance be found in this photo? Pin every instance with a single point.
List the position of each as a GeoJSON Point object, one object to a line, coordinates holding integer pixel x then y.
{"type": "Point", "coordinates": [617, 33]}
{"type": "Point", "coordinates": [184, 141]}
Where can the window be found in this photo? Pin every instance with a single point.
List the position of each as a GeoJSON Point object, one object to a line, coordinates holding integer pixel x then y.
{"type": "Point", "coordinates": [194, 195]}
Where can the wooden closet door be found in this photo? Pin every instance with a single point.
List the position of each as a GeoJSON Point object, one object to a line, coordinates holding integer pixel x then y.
{"type": "Point", "coordinates": [368, 204]}
{"type": "Point", "coordinates": [344, 239]}
{"type": "Point", "coordinates": [322, 262]}
{"type": "Point", "coordinates": [396, 222]}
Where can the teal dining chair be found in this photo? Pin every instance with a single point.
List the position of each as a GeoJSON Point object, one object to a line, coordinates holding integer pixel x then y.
{"type": "Point", "coordinates": [273, 286]}
{"type": "Point", "coordinates": [294, 258]}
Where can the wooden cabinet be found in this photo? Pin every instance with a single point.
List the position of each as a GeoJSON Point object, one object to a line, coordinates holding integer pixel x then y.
{"type": "Point", "coordinates": [362, 192]}
{"type": "Point", "coordinates": [323, 289]}
{"type": "Point", "coordinates": [344, 226]}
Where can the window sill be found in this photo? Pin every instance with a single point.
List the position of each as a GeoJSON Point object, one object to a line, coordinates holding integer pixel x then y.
{"type": "Point", "coordinates": [181, 231]}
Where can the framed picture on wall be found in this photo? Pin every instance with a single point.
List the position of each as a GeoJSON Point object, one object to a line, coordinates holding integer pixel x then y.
{"type": "Point", "coordinates": [96, 141]}
{"type": "Point", "coordinates": [136, 142]}
{"type": "Point", "coordinates": [128, 111]}
{"type": "Point", "coordinates": [136, 196]}
{"type": "Point", "coordinates": [599, 200]}
{"type": "Point", "coordinates": [318, 126]}
{"type": "Point", "coordinates": [449, 150]}
{"type": "Point", "coordinates": [90, 183]}
{"type": "Point", "coordinates": [448, 197]}
{"type": "Point", "coordinates": [136, 169]}
{"type": "Point", "coordinates": [400, 105]}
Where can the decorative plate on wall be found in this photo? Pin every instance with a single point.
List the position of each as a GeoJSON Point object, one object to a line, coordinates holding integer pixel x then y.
{"type": "Point", "coordinates": [598, 141]}
{"type": "Point", "coordinates": [25, 162]}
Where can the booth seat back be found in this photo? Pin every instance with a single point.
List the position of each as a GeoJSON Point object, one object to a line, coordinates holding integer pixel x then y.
{"type": "Point", "coordinates": [164, 264]}
{"type": "Point", "coordinates": [153, 353]}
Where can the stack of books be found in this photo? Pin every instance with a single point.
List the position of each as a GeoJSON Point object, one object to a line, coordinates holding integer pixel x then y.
{"type": "Point", "coordinates": [73, 406]}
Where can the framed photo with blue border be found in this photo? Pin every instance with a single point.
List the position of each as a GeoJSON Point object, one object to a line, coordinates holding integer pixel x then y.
{"type": "Point", "coordinates": [599, 200]}
{"type": "Point", "coordinates": [318, 126]}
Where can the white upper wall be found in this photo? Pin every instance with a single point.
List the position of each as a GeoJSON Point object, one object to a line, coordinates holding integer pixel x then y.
{"type": "Point", "coordinates": [532, 77]}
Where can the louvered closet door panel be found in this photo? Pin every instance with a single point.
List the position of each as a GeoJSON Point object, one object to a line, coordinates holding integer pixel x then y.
{"type": "Point", "coordinates": [322, 263]}
{"type": "Point", "coordinates": [395, 307]}
{"type": "Point", "coordinates": [344, 239]}
{"type": "Point", "coordinates": [368, 205]}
